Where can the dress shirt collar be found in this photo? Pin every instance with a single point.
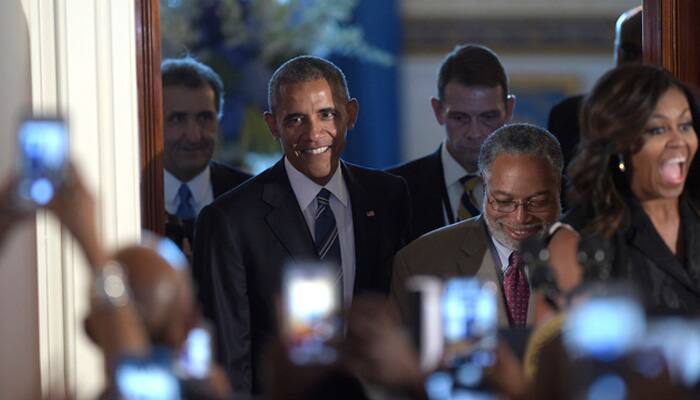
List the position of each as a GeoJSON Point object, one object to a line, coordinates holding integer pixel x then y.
{"type": "Point", "coordinates": [306, 190]}
{"type": "Point", "coordinates": [503, 252]}
{"type": "Point", "coordinates": [199, 186]}
{"type": "Point", "coordinates": [453, 171]}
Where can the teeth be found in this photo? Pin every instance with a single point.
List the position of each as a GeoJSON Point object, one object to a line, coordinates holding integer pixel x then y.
{"type": "Point", "coordinates": [317, 150]}
{"type": "Point", "coordinates": [676, 160]}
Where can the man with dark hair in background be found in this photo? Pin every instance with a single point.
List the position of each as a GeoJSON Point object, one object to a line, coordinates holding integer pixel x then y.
{"type": "Point", "coordinates": [472, 101]}
{"type": "Point", "coordinates": [564, 116]}
{"type": "Point", "coordinates": [192, 107]}
{"type": "Point", "coordinates": [310, 205]}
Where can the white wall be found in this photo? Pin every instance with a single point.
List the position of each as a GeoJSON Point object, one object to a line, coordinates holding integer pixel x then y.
{"type": "Point", "coordinates": [19, 353]}
{"type": "Point", "coordinates": [75, 57]}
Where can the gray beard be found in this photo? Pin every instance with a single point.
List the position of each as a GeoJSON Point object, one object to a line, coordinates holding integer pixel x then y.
{"type": "Point", "coordinates": [502, 237]}
{"type": "Point", "coordinates": [499, 235]}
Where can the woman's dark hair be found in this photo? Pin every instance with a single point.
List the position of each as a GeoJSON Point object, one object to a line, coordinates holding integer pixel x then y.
{"type": "Point", "coordinates": [612, 122]}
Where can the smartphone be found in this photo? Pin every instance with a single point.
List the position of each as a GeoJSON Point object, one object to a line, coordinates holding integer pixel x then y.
{"type": "Point", "coordinates": [43, 157]}
{"type": "Point", "coordinates": [146, 379]}
{"type": "Point", "coordinates": [196, 357]}
{"type": "Point", "coordinates": [424, 321]}
{"type": "Point", "coordinates": [604, 327]}
{"type": "Point", "coordinates": [312, 306]}
{"type": "Point", "coordinates": [470, 322]}
{"type": "Point", "coordinates": [470, 328]}
{"type": "Point", "coordinates": [678, 340]}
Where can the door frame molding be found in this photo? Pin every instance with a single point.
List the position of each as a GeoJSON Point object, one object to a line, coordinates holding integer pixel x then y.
{"type": "Point", "coordinates": [150, 104]}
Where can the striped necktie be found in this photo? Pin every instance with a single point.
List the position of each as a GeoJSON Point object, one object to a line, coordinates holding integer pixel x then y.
{"type": "Point", "coordinates": [467, 203]}
{"type": "Point", "coordinates": [326, 231]}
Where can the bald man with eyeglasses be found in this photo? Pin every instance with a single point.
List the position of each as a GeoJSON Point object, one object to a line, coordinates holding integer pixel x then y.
{"type": "Point", "coordinates": [520, 165]}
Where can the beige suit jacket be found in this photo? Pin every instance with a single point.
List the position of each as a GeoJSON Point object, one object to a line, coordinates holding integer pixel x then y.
{"type": "Point", "coordinates": [461, 249]}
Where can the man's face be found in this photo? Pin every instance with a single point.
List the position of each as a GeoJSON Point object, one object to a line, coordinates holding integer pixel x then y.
{"type": "Point", "coordinates": [528, 183]}
{"type": "Point", "coordinates": [191, 123]}
{"type": "Point", "coordinates": [469, 114]}
{"type": "Point", "coordinates": [311, 127]}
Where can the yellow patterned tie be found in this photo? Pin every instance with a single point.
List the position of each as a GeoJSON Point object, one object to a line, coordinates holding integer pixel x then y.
{"type": "Point", "coordinates": [467, 204]}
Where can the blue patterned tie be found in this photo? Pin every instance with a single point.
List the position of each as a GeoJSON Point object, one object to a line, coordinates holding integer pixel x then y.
{"type": "Point", "coordinates": [185, 209]}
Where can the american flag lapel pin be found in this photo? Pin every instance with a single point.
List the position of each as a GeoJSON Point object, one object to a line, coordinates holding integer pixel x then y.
{"type": "Point", "coordinates": [370, 213]}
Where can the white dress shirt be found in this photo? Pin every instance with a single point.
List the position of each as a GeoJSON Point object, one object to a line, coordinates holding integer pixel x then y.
{"type": "Point", "coordinates": [453, 172]}
{"type": "Point", "coordinates": [504, 253]}
{"type": "Point", "coordinates": [306, 191]}
{"type": "Point", "coordinates": [200, 186]}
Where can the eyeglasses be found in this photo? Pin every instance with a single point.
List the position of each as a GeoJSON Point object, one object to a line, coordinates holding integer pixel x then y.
{"type": "Point", "coordinates": [509, 206]}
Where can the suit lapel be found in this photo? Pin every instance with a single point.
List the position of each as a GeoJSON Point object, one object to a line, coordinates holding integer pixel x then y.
{"type": "Point", "coordinates": [477, 254]}
{"type": "Point", "coordinates": [653, 247]}
{"type": "Point", "coordinates": [437, 194]}
{"type": "Point", "coordinates": [445, 206]}
{"type": "Point", "coordinates": [365, 225]}
{"type": "Point", "coordinates": [285, 219]}
{"type": "Point", "coordinates": [473, 249]}
{"type": "Point", "coordinates": [487, 273]}
{"type": "Point", "coordinates": [217, 186]}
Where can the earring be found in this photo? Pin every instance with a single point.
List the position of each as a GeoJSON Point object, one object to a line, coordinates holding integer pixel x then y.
{"type": "Point", "coordinates": [621, 163]}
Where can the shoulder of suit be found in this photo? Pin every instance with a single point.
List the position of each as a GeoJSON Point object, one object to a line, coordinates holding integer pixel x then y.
{"type": "Point", "coordinates": [371, 176]}
{"type": "Point", "coordinates": [246, 193]}
{"type": "Point", "coordinates": [418, 165]}
{"type": "Point", "coordinates": [218, 167]}
{"type": "Point", "coordinates": [569, 103]}
{"type": "Point", "coordinates": [450, 234]}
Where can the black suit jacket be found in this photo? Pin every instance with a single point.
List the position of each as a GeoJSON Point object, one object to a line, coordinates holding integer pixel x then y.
{"type": "Point", "coordinates": [563, 123]}
{"type": "Point", "coordinates": [426, 184]}
{"type": "Point", "coordinates": [243, 239]}
{"type": "Point", "coordinates": [223, 178]}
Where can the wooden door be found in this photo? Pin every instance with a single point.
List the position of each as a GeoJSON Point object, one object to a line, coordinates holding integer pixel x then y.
{"type": "Point", "coordinates": [671, 29]}
{"type": "Point", "coordinates": [150, 114]}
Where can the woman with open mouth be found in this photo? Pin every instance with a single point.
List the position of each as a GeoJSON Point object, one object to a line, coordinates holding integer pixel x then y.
{"type": "Point", "coordinates": [634, 188]}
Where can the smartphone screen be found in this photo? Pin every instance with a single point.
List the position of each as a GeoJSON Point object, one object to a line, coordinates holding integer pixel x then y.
{"type": "Point", "coordinates": [470, 324]}
{"type": "Point", "coordinates": [424, 320]}
{"type": "Point", "coordinates": [147, 379]}
{"type": "Point", "coordinates": [470, 328]}
{"type": "Point", "coordinates": [604, 327]}
{"type": "Point", "coordinates": [43, 155]}
{"type": "Point", "coordinates": [196, 356]}
{"type": "Point", "coordinates": [678, 340]}
{"type": "Point", "coordinates": [312, 312]}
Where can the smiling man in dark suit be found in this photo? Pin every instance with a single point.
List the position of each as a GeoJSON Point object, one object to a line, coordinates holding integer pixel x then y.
{"type": "Point", "coordinates": [245, 237]}
{"type": "Point", "coordinates": [472, 101]}
{"type": "Point", "coordinates": [192, 107]}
